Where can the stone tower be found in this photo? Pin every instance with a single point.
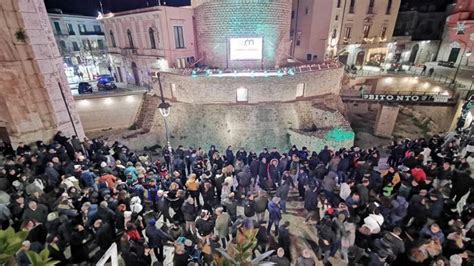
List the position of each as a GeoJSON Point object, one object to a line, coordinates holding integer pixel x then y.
{"type": "Point", "coordinates": [35, 98]}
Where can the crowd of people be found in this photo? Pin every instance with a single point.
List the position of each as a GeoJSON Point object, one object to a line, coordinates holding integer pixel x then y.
{"type": "Point", "coordinates": [77, 198]}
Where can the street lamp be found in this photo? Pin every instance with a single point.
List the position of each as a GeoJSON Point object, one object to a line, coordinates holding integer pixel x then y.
{"type": "Point", "coordinates": [165, 109]}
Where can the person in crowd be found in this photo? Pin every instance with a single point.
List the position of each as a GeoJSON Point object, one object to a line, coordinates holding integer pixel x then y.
{"type": "Point", "coordinates": [415, 209]}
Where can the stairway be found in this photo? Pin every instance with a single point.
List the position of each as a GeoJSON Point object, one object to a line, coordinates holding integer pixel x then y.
{"type": "Point", "coordinates": [147, 112]}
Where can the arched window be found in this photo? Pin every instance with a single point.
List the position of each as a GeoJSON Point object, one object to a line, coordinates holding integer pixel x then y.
{"type": "Point", "coordinates": [130, 39]}
{"type": "Point", "coordinates": [112, 39]}
{"type": "Point", "coordinates": [351, 7]}
{"type": "Point", "coordinates": [151, 33]}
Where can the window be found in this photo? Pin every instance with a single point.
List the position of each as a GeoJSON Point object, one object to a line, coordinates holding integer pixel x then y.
{"type": "Point", "coordinates": [366, 31]}
{"type": "Point", "coordinates": [178, 37]}
{"type": "Point", "coordinates": [300, 89]}
{"type": "Point", "coordinates": [100, 44]}
{"type": "Point", "coordinates": [389, 7]}
{"type": "Point", "coordinates": [151, 34]}
{"type": "Point", "coordinates": [338, 4]}
{"type": "Point", "coordinates": [62, 44]}
{"type": "Point", "coordinates": [306, 11]}
{"type": "Point", "coordinates": [97, 28]}
{"type": "Point", "coordinates": [84, 44]}
{"type": "Point", "coordinates": [371, 7]}
{"type": "Point", "coordinates": [337, 17]}
{"type": "Point", "coordinates": [334, 34]}
{"type": "Point", "coordinates": [347, 33]}
{"type": "Point", "coordinates": [70, 29]}
{"type": "Point", "coordinates": [112, 39]}
{"type": "Point", "coordinates": [242, 95]}
{"type": "Point", "coordinates": [75, 46]}
{"type": "Point", "coordinates": [130, 39]}
{"type": "Point", "coordinates": [351, 7]}
{"type": "Point", "coordinates": [82, 28]}
{"type": "Point", "coordinates": [292, 14]}
{"type": "Point", "coordinates": [383, 33]}
{"type": "Point", "coordinates": [298, 38]}
{"type": "Point", "coordinates": [308, 57]}
{"type": "Point", "coordinates": [57, 27]}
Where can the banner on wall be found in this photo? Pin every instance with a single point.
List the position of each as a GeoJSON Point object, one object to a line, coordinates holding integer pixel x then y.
{"type": "Point", "coordinates": [246, 48]}
{"type": "Point", "coordinates": [436, 98]}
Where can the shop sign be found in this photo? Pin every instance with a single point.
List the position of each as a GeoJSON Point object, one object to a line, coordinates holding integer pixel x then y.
{"type": "Point", "coordinates": [438, 98]}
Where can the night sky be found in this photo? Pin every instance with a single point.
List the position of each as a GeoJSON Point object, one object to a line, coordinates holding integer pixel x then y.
{"type": "Point", "coordinates": [91, 7]}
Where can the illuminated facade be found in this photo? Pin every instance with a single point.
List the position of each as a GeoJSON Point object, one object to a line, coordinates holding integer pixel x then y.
{"type": "Point", "coordinates": [357, 31]}
{"type": "Point", "coordinates": [238, 35]}
{"type": "Point", "coordinates": [143, 41]}
{"type": "Point", "coordinates": [81, 42]}
{"type": "Point", "coordinates": [458, 37]}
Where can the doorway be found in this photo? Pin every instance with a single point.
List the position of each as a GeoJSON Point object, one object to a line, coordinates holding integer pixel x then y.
{"type": "Point", "coordinates": [4, 137]}
{"type": "Point", "coordinates": [414, 52]}
{"type": "Point", "coordinates": [119, 71]}
{"type": "Point", "coordinates": [453, 55]}
{"type": "Point", "coordinates": [135, 74]}
{"type": "Point", "coordinates": [360, 58]}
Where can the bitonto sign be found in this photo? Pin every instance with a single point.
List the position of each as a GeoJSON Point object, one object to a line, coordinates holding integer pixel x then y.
{"type": "Point", "coordinates": [246, 48]}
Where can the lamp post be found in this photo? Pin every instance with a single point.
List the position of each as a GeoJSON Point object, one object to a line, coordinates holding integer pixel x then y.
{"type": "Point", "coordinates": [465, 53]}
{"type": "Point", "coordinates": [165, 109]}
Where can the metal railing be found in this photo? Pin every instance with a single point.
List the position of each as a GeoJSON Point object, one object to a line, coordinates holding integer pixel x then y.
{"type": "Point", "coordinates": [289, 70]}
{"type": "Point", "coordinates": [413, 71]}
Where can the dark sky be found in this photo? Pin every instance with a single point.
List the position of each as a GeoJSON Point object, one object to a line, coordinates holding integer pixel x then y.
{"type": "Point", "coordinates": [91, 7]}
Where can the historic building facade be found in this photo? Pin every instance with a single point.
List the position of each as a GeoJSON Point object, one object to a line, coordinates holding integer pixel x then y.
{"type": "Point", "coordinates": [144, 41]}
{"type": "Point", "coordinates": [358, 31]}
{"type": "Point", "coordinates": [81, 42]}
{"type": "Point", "coordinates": [35, 99]}
{"type": "Point", "coordinates": [458, 38]}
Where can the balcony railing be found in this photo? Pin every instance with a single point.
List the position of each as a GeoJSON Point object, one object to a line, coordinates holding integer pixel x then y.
{"type": "Point", "coordinates": [92, 33]}
{"type": "Point", "coordinates": [129, 52]}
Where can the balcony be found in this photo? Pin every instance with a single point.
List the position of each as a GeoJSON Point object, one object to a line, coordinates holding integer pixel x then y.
{"type": "Point", "coordinates": [129, 52]}
{"type": "Point", "coordinates": [101, 33]}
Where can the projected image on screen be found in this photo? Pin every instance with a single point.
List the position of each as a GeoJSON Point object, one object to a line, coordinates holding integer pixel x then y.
{"type": "Point", "coordinates": [246, 48]}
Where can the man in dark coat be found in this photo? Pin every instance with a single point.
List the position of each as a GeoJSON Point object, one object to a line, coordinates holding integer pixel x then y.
{"type": "Point", "coordinates": [284, 238]}
{"type": "Point", "coordinates": [310, 202]}
{"type": "Point", "coordinates": [262, 174]}
{"type": "Point", "coordinates": [103, 236]}
{"type": "Point", "coordinates": [156, 239]}
{"type": "Point", "coordinates": [282, 192]}
{"type": "Point", "coordinates": [244, 179]}
{"type": "Point", "coordinates": [229, 155]}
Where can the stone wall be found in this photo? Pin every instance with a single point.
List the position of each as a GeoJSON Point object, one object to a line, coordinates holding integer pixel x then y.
{"type": "Point", "coordinates": [35, 97]}
{"type": "Point", "coordinates": [218, 21]}
{"type": "Point", "coordinates": [214, 89]}
{"type": "Point", "coordinates": [251, 126]}
{"type": "Point", "coordinates": [114, 112]}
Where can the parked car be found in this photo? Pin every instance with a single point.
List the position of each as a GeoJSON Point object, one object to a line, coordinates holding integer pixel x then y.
{"type": "Point", "coordinates": [84, 87]}
{"type": "Point", "coordinates": [106, 85]}
{"type": "Point", "coordinates": [105, 82]}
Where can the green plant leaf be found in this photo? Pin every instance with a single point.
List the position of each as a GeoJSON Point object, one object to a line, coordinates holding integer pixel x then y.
{"type": "Point", "coordinates": [44, 254]}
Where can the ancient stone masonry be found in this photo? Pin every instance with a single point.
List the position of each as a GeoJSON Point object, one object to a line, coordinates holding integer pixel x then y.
{"type": "Point", "coordinates": [35, 99]}
{"type": "Point", "coordinates": [218, 21]}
